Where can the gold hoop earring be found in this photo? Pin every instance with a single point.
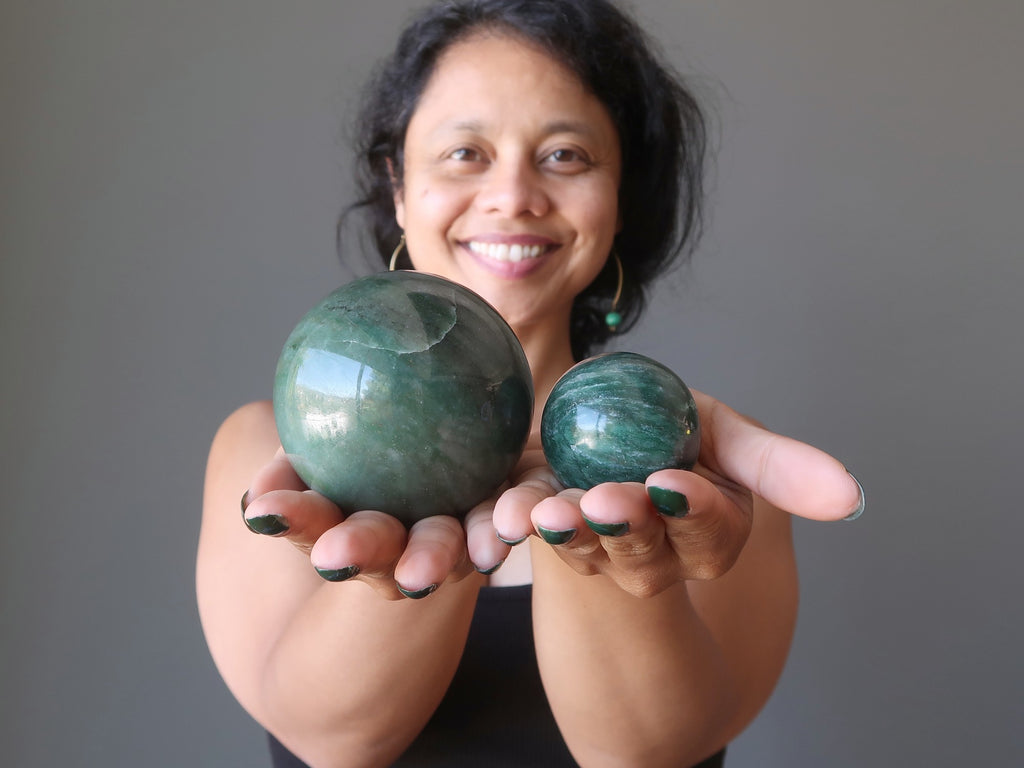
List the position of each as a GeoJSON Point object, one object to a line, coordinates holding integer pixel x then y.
{"type": "Point", "coordinates": [613, 319]}
{"type": "Point", "coordinates": [394, 255]}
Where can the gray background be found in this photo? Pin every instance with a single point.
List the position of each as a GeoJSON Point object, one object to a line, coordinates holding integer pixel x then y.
{"type": "Point", "coordinates": [170, 177]}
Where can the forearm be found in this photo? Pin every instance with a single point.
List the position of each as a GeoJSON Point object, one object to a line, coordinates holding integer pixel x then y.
{"type": "Point", "coordinates": [669, 679]}
{"type": "Point", "coordinates": [341, 675]}
{"type": "Point", "coordinates": [632, 681]}
{"type": "Point", "coordinates": [353, 678]}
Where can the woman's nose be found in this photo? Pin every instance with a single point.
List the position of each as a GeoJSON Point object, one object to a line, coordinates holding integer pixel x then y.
{"type": "Point", "coordinates": [513, 187]}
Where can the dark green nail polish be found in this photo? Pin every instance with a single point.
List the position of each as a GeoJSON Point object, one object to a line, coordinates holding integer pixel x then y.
{"type": "Point", "coordinates": [607, 529]}
{"type": "Point", "coordinates": [512, 542]}
{"type": "Point", "coordinates": [556, 537]}
{"type": "Point", "coordinates": [492, 569]}
{"type": "Point", "coordinates": [861, 504]}
{"type": "Point", "coordinates": [338, 574]}
{"type": "Point", "coordinates": [669, 503]}
{"type": "Point", "coordinates": [245, 501]}
{"type": "Point", "coordinates": [417, 594]}
{"type": "Point", "coordinates": [267, 525]}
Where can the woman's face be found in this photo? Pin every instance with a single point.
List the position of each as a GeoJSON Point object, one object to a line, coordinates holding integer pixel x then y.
{"type": "Point", "coordinates": [511, 178]}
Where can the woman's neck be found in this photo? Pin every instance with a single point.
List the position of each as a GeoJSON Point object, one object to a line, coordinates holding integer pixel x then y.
{"type": "Point", "coordinates": [549, 353]}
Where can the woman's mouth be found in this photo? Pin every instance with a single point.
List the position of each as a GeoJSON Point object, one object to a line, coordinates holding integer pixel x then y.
{"type": "Point", "coordinates": [509, 256]}
{"type": "Point", "coordinates": [508, 252]}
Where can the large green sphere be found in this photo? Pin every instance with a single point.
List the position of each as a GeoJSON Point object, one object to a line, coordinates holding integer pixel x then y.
{"type": "Point", "coordinates": [404, 393]}
{"type": "Point", "coordinates": [617, 418]}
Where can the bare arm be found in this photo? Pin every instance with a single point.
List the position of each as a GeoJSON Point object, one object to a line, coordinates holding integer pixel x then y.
{"type": "Point", "coordinates": [666, 679]}
{"type": "Point", "coordinates": [662, 627]}
{"type": "Point", "coordinates": [340, 675]}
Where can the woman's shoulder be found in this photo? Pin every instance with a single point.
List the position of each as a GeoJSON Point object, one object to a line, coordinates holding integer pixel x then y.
{"type": "Point", "coordinates": [247, 436]}
{"type": "Point", "coordinates": [252, 420]}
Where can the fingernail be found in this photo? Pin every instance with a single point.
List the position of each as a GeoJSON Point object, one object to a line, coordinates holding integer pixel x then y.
{"type": "Point", "coordinates": [512, 542]}
{"type": "Point", "coordinates": [668, 502]}
{"type": "Point", "coordinates": [489, 571]}
{"type": "Point", "coordinates": [859, 510]}
{"type": "Point", "coordinates": [416, 594]}
{"type": "Point", "coordinates": [338, 574]}
{"type": "Point", "coordinates": [245, 501]}
{"type": "Point", "coordinates": [607, 529]}
{"type": "Point", "coordinates": [556, 537]}
{"type": "Point", "coordinates": [267, 525]}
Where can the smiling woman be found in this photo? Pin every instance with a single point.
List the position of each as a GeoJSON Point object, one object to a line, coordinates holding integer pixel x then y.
{"type": "Point", "coordinates": [506, 150]}
{"type": "Point", "coordinates": [659, 127]}
{"type": "Point", "coordinates": [517, 145]}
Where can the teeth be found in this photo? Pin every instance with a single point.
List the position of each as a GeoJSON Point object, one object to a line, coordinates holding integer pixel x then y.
{"type": "Point", "coordinates": [506, 252]}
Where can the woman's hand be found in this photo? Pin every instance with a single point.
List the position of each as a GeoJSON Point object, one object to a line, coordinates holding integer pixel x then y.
{"type": "Point", "coordinates": [678, 525]}
{"type": "Point", "coordinates": [370, 546]}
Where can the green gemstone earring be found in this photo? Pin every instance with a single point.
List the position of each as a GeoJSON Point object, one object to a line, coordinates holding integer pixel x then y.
{"type": "Point", "coordinates": [613, 319]}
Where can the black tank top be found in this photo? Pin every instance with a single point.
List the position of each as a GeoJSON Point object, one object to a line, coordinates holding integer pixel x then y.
{"type": "Point", "coordinates": [498, 675]}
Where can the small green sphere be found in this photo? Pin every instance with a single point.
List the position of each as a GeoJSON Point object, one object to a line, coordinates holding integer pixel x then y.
{"type": "Point", "coordinates": [618, 417]}
{"type": "Point", "coordinates": [405, 393]}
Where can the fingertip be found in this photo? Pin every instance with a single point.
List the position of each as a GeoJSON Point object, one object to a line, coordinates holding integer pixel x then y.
{"type": "Point", "coordinates": [858, 508]}
{"type": "Point", "coordinates": [557, 519]}
{"type": "Point", "coordinates": [267, 525]}
{"type": "Point", "coordinates": [668, 502]}
{"type": "Point", "coordinates": [486, 550]}
{"type": "Point", "coordinates": [417, 594]}
{"type": "Point", "coordinates": [615, 509]}
{"type": "Point", "coordinates": [338, 574]}
{"type": "Point", "coordinates": [436, 548]}
{"type": "Point", "coordinates": [613, 530]}
{"type": "Point", "coordinates": [512, 510]}
{"type": "Point", "coordinates": [488, 571]}
{"type": "Point", "coordinates": [512, 541]}
{"type": "Point", "coordinates": [556, 538]}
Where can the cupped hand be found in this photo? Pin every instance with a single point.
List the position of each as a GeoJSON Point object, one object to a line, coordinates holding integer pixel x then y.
{"type": "Point", "coordinates": [367, 545]}
{"type": "Point", "coordinates": [678, 525]}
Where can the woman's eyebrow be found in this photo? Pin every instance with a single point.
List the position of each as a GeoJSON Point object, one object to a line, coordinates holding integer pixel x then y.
{"type": "Point", "coordinates": [569, 126]}
{"type": "Point", "coordinates": [469, 126]}
{"type": "Point", "coordinates": [555, 126]}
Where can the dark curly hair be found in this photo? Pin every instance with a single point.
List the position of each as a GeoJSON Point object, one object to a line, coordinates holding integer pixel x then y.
{"type": "Point", "coordinates": [661, 127]}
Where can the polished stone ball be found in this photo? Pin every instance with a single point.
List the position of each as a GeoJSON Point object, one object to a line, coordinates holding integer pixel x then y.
{"type": "Point", "coordinates": [405, 393]}
{"type": "Point", "coordinates": [618, 418]}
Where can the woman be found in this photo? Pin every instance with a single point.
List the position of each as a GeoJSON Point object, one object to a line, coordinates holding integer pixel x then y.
{"type": "Point", "coordinates": [526, 149]}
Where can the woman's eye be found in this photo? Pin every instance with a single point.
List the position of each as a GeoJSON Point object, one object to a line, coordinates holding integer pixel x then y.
{"type": "Point", "coordinates": [566, 157]}
{"type": "Point", "coordinates": [465, 154]}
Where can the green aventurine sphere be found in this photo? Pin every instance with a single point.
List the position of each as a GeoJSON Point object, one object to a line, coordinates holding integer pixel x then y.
{"type": "Point", "coordinates": [617, 418]}
{"type": "Point", "coordinates": [405, 393]}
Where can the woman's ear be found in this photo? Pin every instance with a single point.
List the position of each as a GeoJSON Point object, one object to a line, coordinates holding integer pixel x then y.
{"type": "Point", "coordinates": [396, 193]}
